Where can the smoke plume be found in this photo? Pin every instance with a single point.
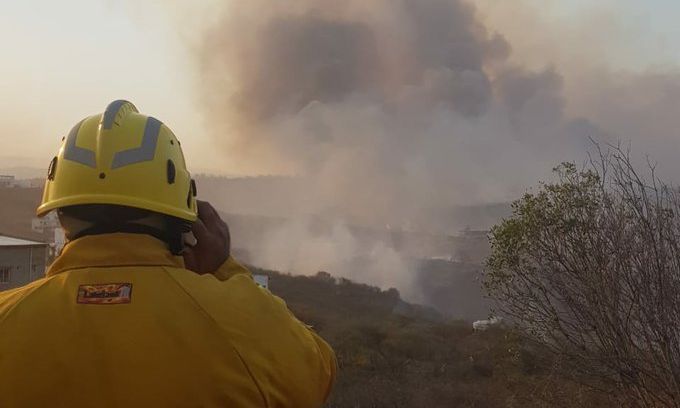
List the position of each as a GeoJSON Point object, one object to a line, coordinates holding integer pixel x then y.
{"type": "Point", "coordinates": [393, 111]}
{"type": "Point", "coordinates": [393, 107]}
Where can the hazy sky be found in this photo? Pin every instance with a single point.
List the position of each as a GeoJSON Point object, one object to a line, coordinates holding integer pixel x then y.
{"type": "Point", "coordinates": [64, 60]}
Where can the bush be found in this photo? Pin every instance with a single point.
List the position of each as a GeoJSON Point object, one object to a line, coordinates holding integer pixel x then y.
{"type": "Point", "coordinates": [589, 268]}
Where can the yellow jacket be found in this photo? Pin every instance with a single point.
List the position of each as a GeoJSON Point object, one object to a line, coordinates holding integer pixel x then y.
{"type": "Point", "coordinates": [119, 322]}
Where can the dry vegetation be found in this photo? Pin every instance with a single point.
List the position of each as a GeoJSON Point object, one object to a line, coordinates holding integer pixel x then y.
{"type": "Point", "coordinates": [589, 267]}
{"type": "Point", "coordinates": [393, 354]}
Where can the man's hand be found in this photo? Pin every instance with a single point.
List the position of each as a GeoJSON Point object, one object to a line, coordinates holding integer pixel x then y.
{"type": "Point", "coordinates": [213, 241]}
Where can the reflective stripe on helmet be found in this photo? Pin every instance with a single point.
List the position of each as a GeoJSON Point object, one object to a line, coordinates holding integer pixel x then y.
{"type": "Point", "coordinates": [143, 153]}
{"type": "Point", "coordinates": [78, 154]}
{"type": "Point", "coordinates": [111, 112]}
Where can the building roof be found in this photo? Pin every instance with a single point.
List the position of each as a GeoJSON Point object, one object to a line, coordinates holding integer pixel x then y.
{"type": "Point", "coordinates": [6, 241]}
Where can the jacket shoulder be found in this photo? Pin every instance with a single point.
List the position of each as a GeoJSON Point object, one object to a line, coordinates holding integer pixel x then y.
{"type": "Point", "coordinates": [10, 298]}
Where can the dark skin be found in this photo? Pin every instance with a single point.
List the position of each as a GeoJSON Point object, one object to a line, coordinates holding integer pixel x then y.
{"type": "Point", "coordinates": [213, 241]}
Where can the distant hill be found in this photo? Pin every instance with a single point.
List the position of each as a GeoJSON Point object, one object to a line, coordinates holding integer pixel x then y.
{"type": "Point", "coordinates": [17, 209]}
{"type": "Point", "coordinates": [271, 196]}
{"type": "Point", "coordinates": [22, 172]}
{"type": "Point", "coordinates": [278, 196]}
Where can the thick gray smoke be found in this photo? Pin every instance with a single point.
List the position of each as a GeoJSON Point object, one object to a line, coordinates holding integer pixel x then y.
{"type": "Point", "coordinates": [392, 110]}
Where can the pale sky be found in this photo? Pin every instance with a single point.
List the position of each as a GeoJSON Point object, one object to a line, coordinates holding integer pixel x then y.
{"type": "Point", "coordinates": [62, 61]}
{"type": "Point", "coordinates": [625, 34]}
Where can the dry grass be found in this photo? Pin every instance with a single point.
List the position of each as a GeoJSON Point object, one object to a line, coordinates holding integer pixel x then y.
{"type": "Point", "coordinates": [395, 355]}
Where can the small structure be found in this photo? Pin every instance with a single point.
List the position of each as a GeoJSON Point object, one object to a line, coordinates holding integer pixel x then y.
{"type": "Point", "coordinates": [483, 325]}
{"type": "Point", "coordinates": [29, 183]}
{"type": "Point", "coordinates": [21, 261]}
{"type": "Point", "coordinates": [59, 240]}
{"type": "Point", "coordinates": [472, 234]}
{"type": "Point", "coordinates": [45, 224]}
{"type": "Point", "coordinates": [50, 228]}
{"type": "Point", "coordinates": [6, 181]}
{"type": "Point", "coordinates": [261, 280]}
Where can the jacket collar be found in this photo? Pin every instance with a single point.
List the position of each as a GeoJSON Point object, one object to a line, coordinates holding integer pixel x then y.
{"type": "Point", "coordinates": [117, 249]}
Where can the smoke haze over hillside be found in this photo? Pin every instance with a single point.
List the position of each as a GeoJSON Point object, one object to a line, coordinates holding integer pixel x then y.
{"type": "Point", "coordinates": [398, 105]}
{"type": "Point", "coordinates": [395, 111]}
{"type": "Point", "coordinates": [398, 116]}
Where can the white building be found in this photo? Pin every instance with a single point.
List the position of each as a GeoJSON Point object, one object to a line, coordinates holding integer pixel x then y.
{"type": "Point", "coordinates": [21, 261]}
{"type": "Point", "coordinates": [261, 280]}
{"type": "Point", "coordinates": [46, 223]}
{"type": "Point", "coordinates": [483, 325]}
{"type": "Point", "coordinates": [59, 240]}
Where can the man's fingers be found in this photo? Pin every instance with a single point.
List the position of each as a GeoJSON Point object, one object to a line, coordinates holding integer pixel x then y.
{"type": "Point", "coordinates": [200, 230]}
{"type": "Point", "coordinates": [211, 219]}
{"type": "Point", "coordinates": [213, 211]}
{"type": "Point", "coordinates": [205, 210]}
{"type": "Point", "coordinates": [213, 241]}
{"type": "Point", "coordinates": [189, 259]}
{"type": "Point", "coordinates": [224, 229]}
{"type": "Point", "coordinates": [202, 206]}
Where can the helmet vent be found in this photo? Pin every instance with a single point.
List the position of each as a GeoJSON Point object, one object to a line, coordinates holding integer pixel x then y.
{"type": "Point", "coordinates": [171, 172]}
{"type": "Point", "coordinates": [52, 170]}
{"type": "Point", "coordinates": [192, 192]}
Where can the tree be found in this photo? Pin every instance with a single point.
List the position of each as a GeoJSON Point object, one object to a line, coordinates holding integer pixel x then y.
{"type": "Point", "coordinates": [589, 267]}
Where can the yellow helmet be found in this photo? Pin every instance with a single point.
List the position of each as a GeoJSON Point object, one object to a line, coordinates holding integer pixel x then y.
{"type": "Point", "coordinates": [124, 158]}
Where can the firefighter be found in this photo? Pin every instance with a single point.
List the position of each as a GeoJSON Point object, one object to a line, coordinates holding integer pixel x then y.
{"type": "Point", "coordinates": [129, 314]}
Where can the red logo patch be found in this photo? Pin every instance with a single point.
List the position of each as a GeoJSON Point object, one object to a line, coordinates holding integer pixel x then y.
{"type": "Point", "coordinates": [105, 294]}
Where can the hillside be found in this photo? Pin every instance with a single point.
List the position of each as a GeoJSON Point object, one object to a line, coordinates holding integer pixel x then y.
{"type": "Point", "coordinates": [392, 354]}
{"type": "Point", "coordinates": [453, 288]}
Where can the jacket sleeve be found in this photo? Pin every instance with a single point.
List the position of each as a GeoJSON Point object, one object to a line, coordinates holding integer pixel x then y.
{"type": "Point", "coordinates": [293, 365]}
{"type": "Point", "coordinates": [230, 268]}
